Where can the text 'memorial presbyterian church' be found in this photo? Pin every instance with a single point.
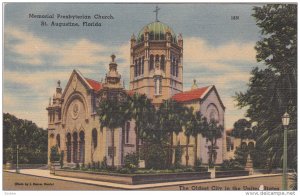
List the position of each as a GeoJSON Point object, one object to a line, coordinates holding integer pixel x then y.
{"type": "Point", "coordinates": [156, 70]}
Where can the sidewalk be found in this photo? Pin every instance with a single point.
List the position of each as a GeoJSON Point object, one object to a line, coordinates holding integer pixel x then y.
{"type": "Point", "coordinates": [46, 174]}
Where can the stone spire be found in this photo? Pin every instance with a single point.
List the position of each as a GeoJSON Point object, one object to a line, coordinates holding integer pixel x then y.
{"type": "Point", "coordinates": [112, 79]}
{"type": "Point", "coordinates": [194, 86]}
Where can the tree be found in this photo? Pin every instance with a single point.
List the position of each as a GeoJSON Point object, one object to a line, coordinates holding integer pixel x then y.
{"type": "Point", "coordinates": [141, 108]}
{"type": "Point", "coordinates": [212, 133]}
{"type": "Point", "coordinates": [113, 114]}
{"type": "Point", "coordinates": [32, 140]}
{"type": "Point", "coordinates": [272, 90]}
{"type": "Point", "coordinates": [194, 125]}
{"type": "Point", "coordinates": [171, 121]}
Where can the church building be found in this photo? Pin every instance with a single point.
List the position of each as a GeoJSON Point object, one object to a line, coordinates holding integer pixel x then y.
{"type": "Point", "coordinates": [156, 70]}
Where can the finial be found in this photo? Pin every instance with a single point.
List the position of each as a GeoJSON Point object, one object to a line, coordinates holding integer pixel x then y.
{"type": "Point", "coordinates": [194, 86]}
{"type": "Point", "coordinates": [156, 11]}
{"type": "Point", "coordinates": [58, 83]}
{"type": "Point", "coordinates": [113, 58]}
{"type": "Point", "coordinates": [180, 36]}
{"type": "Point", "coordinates": [132, 36]}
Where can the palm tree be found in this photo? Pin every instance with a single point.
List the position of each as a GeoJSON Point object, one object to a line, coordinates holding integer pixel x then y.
{"type": "Point", "coordinates": [195, 124]}
{"type": "Point", "coordinates": [170, 119]}
{"type": "Point", "coordinates": [213, 133]}
{"type": "Point", "coordinates": [140, 107]}
{"type": "Point", "coordinates": [113, 114]}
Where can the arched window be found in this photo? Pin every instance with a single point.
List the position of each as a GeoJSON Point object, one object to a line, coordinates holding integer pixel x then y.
{"type": "Point", "coordinates": [135, 69]}
{"type": "Point", "coordinates": [151, 62]}
{"type": "Point", "coordinates": [95, 138]}
{"type": "Point", "coordinates": [176, 72]}
{"type": "Point", "coordinates": [75, 147]}
{"type": "Point", "coordinates": [81, 147]}
{"type": "Point", "coordinates": [140, 66]}
{"type": "Point", "coordinates": [156, 58]}
{"type": "Point", "coordinates": [58, 140]}
{"type": "Point", "coordinates": [151, 36]}
{"type": "Point", "coordinates": [69, 147]}
{"type": "Point", "coordinates": [174, 67]}
{"type": "Point", "coordinates": [162, 63]}
{"type": "Point", "coordinates": [143, 66]}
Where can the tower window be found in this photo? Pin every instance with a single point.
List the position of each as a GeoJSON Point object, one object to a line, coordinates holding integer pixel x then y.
{"type": "Point", "coordinates": [151, 62]}
{"type": "Point", "coordinates": [162, 63]}
{"type": "Point", "coordinates": [176, 69]}
{"type": "Point", "coordinates": [140, 66]}
{"type": "Point", "coordinates": [138, 69]}
{"type": "Point", "coordinates": [135, 68]}
{"type": "Point", "coordinates": [143, 66]}
{"type": "Point", "coordinates": [158, 86]}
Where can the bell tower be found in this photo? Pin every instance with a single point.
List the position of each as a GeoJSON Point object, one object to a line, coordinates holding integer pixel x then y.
{"type": "Point", "coordinates": [156, 62]}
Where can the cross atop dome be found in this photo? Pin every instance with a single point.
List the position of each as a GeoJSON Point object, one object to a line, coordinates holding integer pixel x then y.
{"type": "Point", "coordinates": [156, 12]}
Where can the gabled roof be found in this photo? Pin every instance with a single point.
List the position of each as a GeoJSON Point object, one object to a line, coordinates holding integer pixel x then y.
{"type": "Point", "coordinates": [191, 95]}
{"type": "Point", "coordinates": [94, 84]}
{"type": "Point", "coordinates": [199, 93]}
{"type": "Point", "coordinates": [89, 83]}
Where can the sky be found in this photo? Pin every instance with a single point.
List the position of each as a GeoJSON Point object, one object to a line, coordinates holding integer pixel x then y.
{"type": "Point", "coordinates": [217, 50]}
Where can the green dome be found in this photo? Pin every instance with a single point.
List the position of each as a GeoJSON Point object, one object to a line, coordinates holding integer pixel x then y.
{"type": "Point", "coordinates": [157, 31]}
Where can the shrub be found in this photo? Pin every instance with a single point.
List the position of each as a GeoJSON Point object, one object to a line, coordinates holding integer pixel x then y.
{"type": "Point", "coordinates": [188, 169]}
{"type": "Point", "coordinates": [156, 156]}
{"type": "Point", "coordinates": [82, 166]}
{"type": "Point", "coordinates": [231, 164]}
{"type": "Point", "coordinates": [98, 165]}
{"type": "Point", "coordinates": [198, 164]}
{"type": "Point", "coordinates": [89, 166]}
{"type": "Point", "coordinates": [77, 166]}
{"type": "Point", "coordinates": [104, 163]}
{"type": "Point", "coordinates": [131, 160]}
{"type": "Point", "coordinates": [124, 170]}
{"type": "Point", "coordinates": [54, 154]}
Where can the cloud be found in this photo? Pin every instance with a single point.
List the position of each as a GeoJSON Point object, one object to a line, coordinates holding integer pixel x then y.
{"type": "Point", "coordinates": [32, 50]}
{"type": "Point", "coordinates": [82, 52]}
{"type": "Point", "coordinates": [197, 50]}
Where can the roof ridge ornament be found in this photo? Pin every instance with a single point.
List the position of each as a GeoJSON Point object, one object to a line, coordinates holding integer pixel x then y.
{"type": "Point", "coordinates": [113, 58]}
{"type": "Point", "coordinates": [156, 12]}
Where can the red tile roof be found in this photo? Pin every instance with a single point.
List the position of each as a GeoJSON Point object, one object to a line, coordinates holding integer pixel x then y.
{"type": "Point", "coordinates": [94, 84]}
{"type": "Point", "coordinates": [130, 92]}
{"type": "Point", "coordinates": [190, 95]}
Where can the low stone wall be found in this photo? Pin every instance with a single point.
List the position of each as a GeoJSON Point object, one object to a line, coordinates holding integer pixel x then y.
{"type": "Point", "coordinates": [133, 178]}
{"type": "Point", "coordinates": [224, 174]}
